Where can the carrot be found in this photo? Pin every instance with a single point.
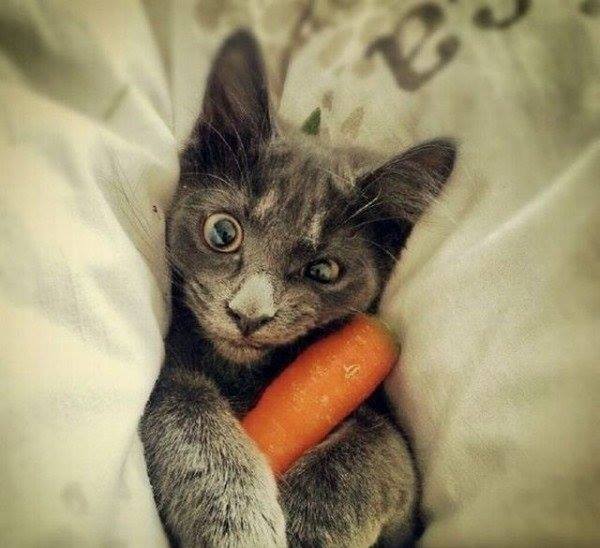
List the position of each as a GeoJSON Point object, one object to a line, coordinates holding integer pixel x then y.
{"type": "Point", "coordinates": [320, 388]}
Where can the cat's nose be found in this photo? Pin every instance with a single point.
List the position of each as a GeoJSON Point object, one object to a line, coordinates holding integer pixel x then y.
{"type": "Point", "coordinates": [252, 306]}
{"type": "Point", "coordinates": [248, 325]}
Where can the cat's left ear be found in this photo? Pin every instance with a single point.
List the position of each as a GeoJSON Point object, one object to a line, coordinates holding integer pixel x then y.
{"type": "Point", "coordinates": [393, 196]}
{"type": "Point", "coordinates": [235, 117]}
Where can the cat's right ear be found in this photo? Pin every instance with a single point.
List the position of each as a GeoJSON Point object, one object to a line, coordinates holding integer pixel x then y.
{"type": "Point", "coordinates": [235, 117]}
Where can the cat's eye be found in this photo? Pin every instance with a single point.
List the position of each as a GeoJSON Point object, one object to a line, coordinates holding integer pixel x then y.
{"type": "Point", "coordinates": [222, 232]}
{"type": "Point", "coordinates": [325, 271]}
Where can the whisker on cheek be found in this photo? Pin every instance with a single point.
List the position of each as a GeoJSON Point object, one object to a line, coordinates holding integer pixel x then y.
{"type": "Point", "coordinates": [197, 297]}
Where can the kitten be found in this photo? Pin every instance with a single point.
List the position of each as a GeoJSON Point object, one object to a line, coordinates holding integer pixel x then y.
{"type": "Point", "coordinates": [274, 240]}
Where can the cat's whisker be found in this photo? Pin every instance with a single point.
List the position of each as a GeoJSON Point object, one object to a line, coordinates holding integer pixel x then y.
{"type": "Point", "coordinates": [369, 205]}
{"type": "Point", "coordinates": [206, 174]}
{"type": "Point", "coordinates": [374, 221]}
{"type": "Point", "coordinates": [241, 141]}
{"type": "Point", "coordinates": [385, 250]}
{"type": "Point", "coordinates": [150, 241]}
{"type": "Point", "coordinates": [227, 144]}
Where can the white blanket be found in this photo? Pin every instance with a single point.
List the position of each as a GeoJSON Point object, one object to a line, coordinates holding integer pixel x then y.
{"type": "Point", "coordinates": [496, 299]}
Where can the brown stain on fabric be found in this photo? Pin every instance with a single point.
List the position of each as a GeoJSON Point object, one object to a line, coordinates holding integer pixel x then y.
{"type": "Point", "coordinates": [327, 100]}
{"type": "Point", "coordinates": [351, 125]}
{"type": "Point", "coordinates": [74, 499]}
{"type": "Point", "coordinates": [210, 12]}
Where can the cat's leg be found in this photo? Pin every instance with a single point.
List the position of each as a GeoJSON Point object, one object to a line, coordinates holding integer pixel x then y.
{"type": "Point", "coordinates": [211, 485]}
{"type": "Point", "coordinates": [355, 486]}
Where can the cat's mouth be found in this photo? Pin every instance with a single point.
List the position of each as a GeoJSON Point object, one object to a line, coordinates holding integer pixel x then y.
{"type": "Point", "coordinates": [240, 350]}
{"type": "Point", "coordinates": [244, 343]}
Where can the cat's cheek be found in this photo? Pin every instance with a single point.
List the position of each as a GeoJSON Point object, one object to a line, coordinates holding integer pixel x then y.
{"type": "Point", "coordinates": [356, 296]}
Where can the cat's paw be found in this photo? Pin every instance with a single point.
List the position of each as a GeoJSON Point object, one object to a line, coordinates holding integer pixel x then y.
{"type": "Point", "coordinates": [322, 511]}
{"type": "Point", "coordinates": [355, 488]}
{"type": "Point", "coordinates": [330, 525]}
{"type": "Point", "coordinates": [310, 533]}
{"type": "Point", "coordinates": [241, 511]}
{"type": "Point", "coordinates": [256, 521]}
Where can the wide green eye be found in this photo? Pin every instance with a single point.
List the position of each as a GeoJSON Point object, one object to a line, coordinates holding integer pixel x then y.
{"type": "Point", "coordinates": [222, 232]}
{"type": "Point", "coordinates": [324, 271]}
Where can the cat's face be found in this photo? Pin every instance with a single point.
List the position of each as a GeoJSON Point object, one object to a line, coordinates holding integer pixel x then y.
{"type": "Point", "coordinates": [273, 236]}
{"type": "Point", "coordinates": [267, 259]}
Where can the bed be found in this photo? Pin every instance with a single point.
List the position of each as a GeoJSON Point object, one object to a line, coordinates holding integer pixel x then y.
{"type": "Point", "coordinates": [495, 301]}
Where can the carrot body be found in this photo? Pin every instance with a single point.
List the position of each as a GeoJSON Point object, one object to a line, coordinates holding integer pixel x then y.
{"type": "Point", "coordinates": [320, 388]}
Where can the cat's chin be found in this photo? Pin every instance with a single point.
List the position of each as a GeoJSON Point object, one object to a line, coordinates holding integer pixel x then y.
{"type": "Point", "coordinates": [238, 352]}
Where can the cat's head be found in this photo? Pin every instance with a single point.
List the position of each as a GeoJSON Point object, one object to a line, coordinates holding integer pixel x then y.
{"type": "Point", "coordinates": [274, 235]}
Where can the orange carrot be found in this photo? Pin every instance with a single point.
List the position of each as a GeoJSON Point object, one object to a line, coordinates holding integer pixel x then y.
{"type": "Point", "coordinates": [320, 388]}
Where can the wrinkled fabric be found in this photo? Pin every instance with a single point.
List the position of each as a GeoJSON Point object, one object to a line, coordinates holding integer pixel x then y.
{"type": "Point", "coordinates": [495, 300]}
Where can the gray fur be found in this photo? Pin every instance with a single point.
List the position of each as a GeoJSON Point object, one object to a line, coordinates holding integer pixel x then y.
{"type": "Point", "coordinates": [297, 201]}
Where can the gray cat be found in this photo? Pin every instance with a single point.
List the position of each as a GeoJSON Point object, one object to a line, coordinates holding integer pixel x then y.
{"type": "Point", "coordinates": [274, 240]}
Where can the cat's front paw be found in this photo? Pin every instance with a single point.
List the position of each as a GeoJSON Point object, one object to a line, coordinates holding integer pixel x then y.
{"type": "Point", "coordinates": [240, 510]}
{"type": "Point", "coordinates": [256, 521]}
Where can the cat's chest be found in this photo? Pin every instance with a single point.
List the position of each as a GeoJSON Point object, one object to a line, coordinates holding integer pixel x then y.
{"type": "Point", "coordinates": [241, 386]}
{"type": "Point", "coordinates": [242, 393]}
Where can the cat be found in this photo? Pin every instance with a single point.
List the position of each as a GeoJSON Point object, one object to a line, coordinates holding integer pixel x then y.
{"type": "Point", "coordinates": [274, 239]}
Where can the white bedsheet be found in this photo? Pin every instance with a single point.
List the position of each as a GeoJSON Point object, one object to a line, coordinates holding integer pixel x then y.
{"type": "Point", "coordinates": [496, 300]}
